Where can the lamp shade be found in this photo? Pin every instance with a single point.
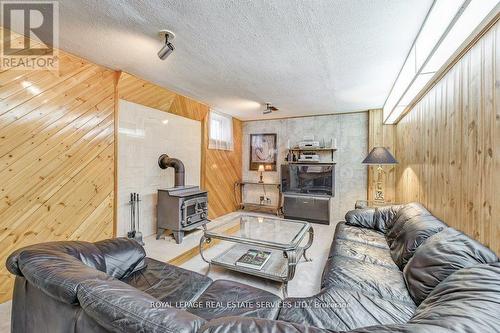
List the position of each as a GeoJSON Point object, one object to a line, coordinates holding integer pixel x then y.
{"type": "Point", "coordinates": [261, 168]}
{"type": "Point", "coordinates": [379, 155]}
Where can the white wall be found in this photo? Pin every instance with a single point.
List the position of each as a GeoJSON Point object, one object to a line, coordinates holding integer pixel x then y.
{"type": "Point", "coordinates": [145, 134]}
{"type": "Point", "coordinates": [351, 132]}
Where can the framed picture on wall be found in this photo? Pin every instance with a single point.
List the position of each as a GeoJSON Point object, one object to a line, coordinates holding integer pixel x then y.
{"type": "Point", "coordinates": [263, 151]}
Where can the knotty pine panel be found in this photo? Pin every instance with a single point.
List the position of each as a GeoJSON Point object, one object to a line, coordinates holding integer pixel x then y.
{"type": "Point", "coordinates": [56, 157]}
{"type": "Point", "coordinates": [222, 170]}
{"type": "Point", "coordinates": [136, 90]}
{"type": "Point", "coordinates": [219, 169]}
{"type": "Point", "coordinates": [448, 145]}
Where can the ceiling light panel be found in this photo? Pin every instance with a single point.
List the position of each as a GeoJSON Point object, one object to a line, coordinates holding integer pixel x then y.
{"type": "Point", "coordinates": [442, 14]}
{"type": "Point", "coordinates": [404, 79]}
{"type": "Point", "coordinates": [448, 26]}
{"type": "Point", "coordinates": [418, 84]}
{"type": "Point", "coordinates": [471, 18]}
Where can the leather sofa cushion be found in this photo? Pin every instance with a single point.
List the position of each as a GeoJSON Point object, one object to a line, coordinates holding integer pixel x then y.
{"type": "Point", "coordinates": [379, 218]}
{"type": "Point", "coordinates": [122, 256]}
{"type": "Point", "coordinates": [255, 325]}
{"type": "Point", "coordinates": [466, 301]}
{"type": "Point", "coordinates": [168, 283]}
{"type": "Point", "coordinates": [340, 309]}
{"type": "Point", "coordinates": [403, 214]}
{"type": "Point", "coordinates": [363, 252]}
{"type": "Point", "coordinates": [384, 216]}
{"type": "Point", "coordinates": [57, 274]}
{"type": "Point", "coordinates": [117, 257]}
{"type": "Point", "coordinates": [360, 218]}
{"type": "Point", "coordinates": [360, 235]}
{"type": "Point", "coordinates": [119, 307]}
{"type": "Point", "coordinates": [83, 251]}
{"type": "Point", "coordinates": [411, 229]}
{"type": "Point", "coordinates": [370, 279]}
{"type": "Point", "coordinates": [228, 298]}
{"type": "Point", "coordinates": [440, 256]}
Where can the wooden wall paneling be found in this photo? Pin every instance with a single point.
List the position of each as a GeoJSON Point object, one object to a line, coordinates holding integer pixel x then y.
{"type": "Point", "coordinates": [186, 107]}
{"type": "Point", "coordinates": [488, 130]}
{"type": "Point", "coordinates": [453, 163]}
{"type": "Point", "coordinates": [56, 156]}
{"type": "Point", "coordinates": [116, 107]}
{"type": "Point", "coordinates": [136, 90]}
{"type": "Point", "coordinates": [222, 170]}
{"type": "Point", "coordinates": [495, 119]}
{"type": "Point", "coordinates": [381, 135]}
{"type": "Point", "coordinates": [449, 145]}
{"type": "Point", "coordinates": [472, 130]}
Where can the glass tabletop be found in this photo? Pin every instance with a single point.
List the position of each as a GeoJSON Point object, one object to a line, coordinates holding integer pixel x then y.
{"type": "Point", "coordinates": [253, 229]}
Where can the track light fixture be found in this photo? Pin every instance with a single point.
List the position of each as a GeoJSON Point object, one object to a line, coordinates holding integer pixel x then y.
{"type": "Point", "coordinates": [269, 108]}
{"type": "Point", "coordinates": [168, 48]}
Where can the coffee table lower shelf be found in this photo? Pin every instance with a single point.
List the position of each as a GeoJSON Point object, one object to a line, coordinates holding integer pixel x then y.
{"type": "Point", "coordinates": [277, 268]}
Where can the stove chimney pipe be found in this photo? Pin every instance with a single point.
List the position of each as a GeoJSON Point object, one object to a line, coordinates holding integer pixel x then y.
{"type": "Point", "coordinates": [164, 161]}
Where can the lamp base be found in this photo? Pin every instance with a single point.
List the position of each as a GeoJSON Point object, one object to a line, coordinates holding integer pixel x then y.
{"type": "Point", "coordinates": [379, 190]}
{"type": "Point", "coordinates": [379, 196]}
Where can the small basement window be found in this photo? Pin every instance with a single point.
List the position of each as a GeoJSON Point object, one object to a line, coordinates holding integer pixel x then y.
{"type": "Point", "coordinates": [220, 131]}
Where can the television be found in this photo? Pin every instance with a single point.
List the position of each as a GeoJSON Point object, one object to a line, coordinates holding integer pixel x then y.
{"type": "Point", "coordinates": [312, 179]}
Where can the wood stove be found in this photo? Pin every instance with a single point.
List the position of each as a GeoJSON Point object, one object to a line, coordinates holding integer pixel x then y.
{"type": "Point", "coordinates": [181, 208]}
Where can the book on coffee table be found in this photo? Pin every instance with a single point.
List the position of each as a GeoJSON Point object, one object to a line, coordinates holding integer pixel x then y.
{"type": "Point", "coordinates": [255, 259]}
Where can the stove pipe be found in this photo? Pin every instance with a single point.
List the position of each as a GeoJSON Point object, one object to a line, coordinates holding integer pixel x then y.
{"type": "Point", "coordinates": [164, 162]}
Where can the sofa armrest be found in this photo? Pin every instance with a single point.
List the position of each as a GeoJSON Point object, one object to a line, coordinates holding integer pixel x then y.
{"type": "Point", "coordinates": [361, 218]}
{"type": "Point", "coordinates": [120, 307]}
{"type": "Point", "coordinates": [255, 325]}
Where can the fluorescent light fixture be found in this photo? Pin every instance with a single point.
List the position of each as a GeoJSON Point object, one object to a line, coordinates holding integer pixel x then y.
{"type": "Point", "coordinates": [435, 26]}
{"type": "Point", "coordinates": [449, 24]}
{"type": "Point", "coordinates": [417, 85]}
{"type": "Point", "coordinates": [404, 79]}
{"type": "Point", "coordinates": [462, 29]}
{"type": "Point", "coordinates": [395, 114]}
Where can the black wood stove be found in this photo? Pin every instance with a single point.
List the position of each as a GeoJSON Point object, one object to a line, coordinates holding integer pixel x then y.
{"type": "Point", "coordinates": [181, 208]}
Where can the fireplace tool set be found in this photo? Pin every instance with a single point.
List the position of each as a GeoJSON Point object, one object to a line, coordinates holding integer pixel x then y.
{"type": "Point", "coordinates": [134, 219]}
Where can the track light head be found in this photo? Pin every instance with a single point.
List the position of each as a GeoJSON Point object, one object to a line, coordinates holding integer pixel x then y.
{"type": "Point", "coordinates": [269, 108]}
{"type": "Point", "coordinates": [168, 48]}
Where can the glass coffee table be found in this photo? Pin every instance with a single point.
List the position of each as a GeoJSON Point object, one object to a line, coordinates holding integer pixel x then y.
{"type": "Point", "coordinates": [284, 239]}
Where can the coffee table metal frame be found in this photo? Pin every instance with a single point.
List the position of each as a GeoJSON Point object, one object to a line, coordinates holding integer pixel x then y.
{"type": "Point", "coordinates": [284, 258]}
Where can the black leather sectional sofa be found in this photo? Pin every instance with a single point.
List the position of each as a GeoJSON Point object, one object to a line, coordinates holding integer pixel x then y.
{"type": "Point", "coordinates": [391, 269]}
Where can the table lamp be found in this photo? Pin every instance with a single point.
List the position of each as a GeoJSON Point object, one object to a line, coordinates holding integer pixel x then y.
{"type": "Point", "coordinates": [379, 156]}
{"type": "Point", "coordinates": [261, 170]}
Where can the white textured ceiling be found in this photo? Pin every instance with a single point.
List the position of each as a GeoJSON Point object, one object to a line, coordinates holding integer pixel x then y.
{"type": "Point", "coordinates": [306, 57]}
